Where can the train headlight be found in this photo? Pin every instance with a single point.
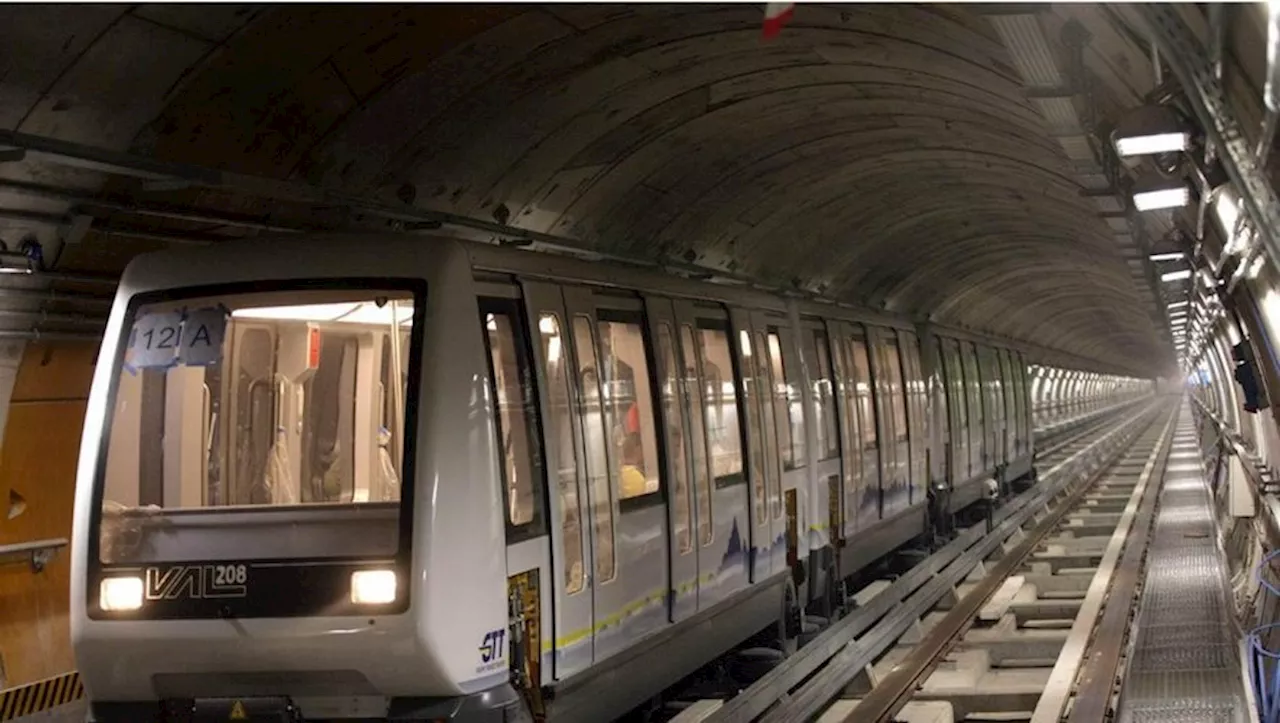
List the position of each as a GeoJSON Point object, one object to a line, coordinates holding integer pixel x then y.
{"type": "Point", "coordinates": [118, 594]}
{"type": "Point", "coordinates": [373, 587]}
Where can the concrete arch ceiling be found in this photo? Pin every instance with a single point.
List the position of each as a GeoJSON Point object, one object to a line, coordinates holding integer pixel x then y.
{"type": "Point", "coordinates": [883, 154]}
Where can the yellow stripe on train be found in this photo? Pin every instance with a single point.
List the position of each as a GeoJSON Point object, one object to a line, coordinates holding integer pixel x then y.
{"type": "Point", "coordinates": [42, 695]}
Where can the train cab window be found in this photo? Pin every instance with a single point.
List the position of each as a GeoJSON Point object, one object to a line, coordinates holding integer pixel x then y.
{"type": "Point", "coordinates": [511, 377]}
{"type": "Point", "coordinates": [628, 404]}
{"type": "Point", "coordinates": [275, 398]}
{"type": "Point", "coordinates": [596, 441]}
{"type": "Point", "coordinates": [788, 408]}
{"type": "Point", "coordinates": [720, 403]}
{"type": "Point", "coordinates": [559, 426]}
{"type": "Point", "coordinates": [823, 392]}
{"type": "Point", "coordinates": [676, 429]}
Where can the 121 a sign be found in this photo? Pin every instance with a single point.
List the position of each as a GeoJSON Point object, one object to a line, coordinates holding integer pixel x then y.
{"type": "Point", "coordinates": [166, 339]}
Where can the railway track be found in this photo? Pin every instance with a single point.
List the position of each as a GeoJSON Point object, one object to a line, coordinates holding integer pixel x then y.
{"type": "Point", "coordinates": [991, 627]}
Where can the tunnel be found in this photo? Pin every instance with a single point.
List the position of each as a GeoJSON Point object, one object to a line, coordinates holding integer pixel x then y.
{"type": "Point", "coordinates": [644, 362]}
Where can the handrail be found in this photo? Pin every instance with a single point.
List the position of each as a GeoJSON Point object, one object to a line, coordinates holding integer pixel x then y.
{"type": "Point", "coordinates": [1235, 445]}
{"type": "Point", "coordinates": [37, 553]}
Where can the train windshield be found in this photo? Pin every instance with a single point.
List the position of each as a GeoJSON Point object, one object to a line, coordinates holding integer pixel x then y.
{"type": "Point", "coordinates": [261, 425]}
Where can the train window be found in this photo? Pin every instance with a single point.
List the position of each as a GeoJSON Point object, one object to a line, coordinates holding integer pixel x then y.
{"type": "Point", "coordinates": [702, 476]}
{"type": "Point", "coordinates": [673, 414]}
{"type": "Point", "coordinates": [862, 393]}
{"type": "Point", "coordinates": [977, 424]}
{"type": "Point", "coordinates": [754, 388]}
{"type": "Point", "coordinates": [265, 398]}
{"type": "Point", "coordinates": [913, 384]}
{"type": "Point", "coordinates": [786, 399]}
{"type": "Point", "coordinates": [511, 379]}
{"type": "Point", "coordinates": [824, 398]}
{"type": "Point", "coordinates": [720, 403]}
{"type": "Point", "coordinates": [1009, 388]}
{"type": "Point", "coordinates": [628, 404]}
{"type": "Point", "coordinates": [959, 409]}
{"type": "Point", "coordinates": [770, 422]}
{"type": "Point", "coordinates": [893, 379]}
{"type": "Point", "coordinates": [596, 443]}
{"type": "Point", "coordinates": [560, 435]}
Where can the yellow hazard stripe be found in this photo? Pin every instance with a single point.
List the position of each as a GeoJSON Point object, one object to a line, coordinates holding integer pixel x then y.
{"type": "Point", "coordinates": [32, 698]}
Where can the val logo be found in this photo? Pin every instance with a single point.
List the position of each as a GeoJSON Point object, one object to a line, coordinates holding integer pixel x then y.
{"type": "Point", "coordinates": [237, 711]}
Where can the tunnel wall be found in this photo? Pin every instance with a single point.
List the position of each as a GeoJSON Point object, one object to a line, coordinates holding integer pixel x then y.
{"type": "Point", "coordinates": [38, 460]}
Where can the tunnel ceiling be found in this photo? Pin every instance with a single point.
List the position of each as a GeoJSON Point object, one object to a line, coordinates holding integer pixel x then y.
{"type": "Point", "coordinates": [885, 155]}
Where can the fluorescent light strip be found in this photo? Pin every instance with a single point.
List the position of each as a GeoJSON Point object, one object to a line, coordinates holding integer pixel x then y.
{"type": "Point", "coordinates": [1176, 275]}
{"type": "Point", "coordinates": [1167, 257]}
{"type": "Point", "coordinates": [1162, 198]}
{"type": "Point", "coordinates": [1147, 145]}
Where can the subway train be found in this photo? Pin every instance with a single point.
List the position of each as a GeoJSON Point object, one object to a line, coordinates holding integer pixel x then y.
{"type": "Point", "coordinates": [419, 478]}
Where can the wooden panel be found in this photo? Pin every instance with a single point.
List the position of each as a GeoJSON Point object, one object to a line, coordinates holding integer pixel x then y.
{"type": "Point", "coordinates": [55, 371]}
{"type": "Point", "coordinates": [40, 465]}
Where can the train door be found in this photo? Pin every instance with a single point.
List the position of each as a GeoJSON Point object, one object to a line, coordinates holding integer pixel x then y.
{"type": "Point", "coordinates": [957, 404]}
{"type": "Point", "coordinates": [673, 395]}
{"type": "Point", "coordinates": [577, 517]}
{"type": "Point", "coordinates": [1008, 389]}
{"type": "Point", "coordinates": [873, 469]}
{"type": "Point", "coordinates": [849, 495]}
{"type": "Point", "coordinates": [978, 457]}
{"type": "Point", "coordinates": [783, 356]}
{"type": "Point", "coordinates": [775, 433]}
{"type": "Point", "coordinates": [624, 465]}
{"type": "Point", "coordinates": [995, 403]}
{"type": "Point", "coordinates": [896, 447]}
{"type": "Point", "coordinates": [755, 392]}
{"type": "Point", "coordinates": [720, 480]}
{"type": "Point", "coordinates": [917, 423]}
{"type": "Point", "coordinates": [826, 508]}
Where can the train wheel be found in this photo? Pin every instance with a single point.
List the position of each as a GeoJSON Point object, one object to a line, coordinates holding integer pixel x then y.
{"type": "Point", "coordinates": [791, 620]}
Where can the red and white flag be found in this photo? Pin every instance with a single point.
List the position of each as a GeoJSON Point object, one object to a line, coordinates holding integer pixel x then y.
{"type": "Point", "coordinates": [775, 16]}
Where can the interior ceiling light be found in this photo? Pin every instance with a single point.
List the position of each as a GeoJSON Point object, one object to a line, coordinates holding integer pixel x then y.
{"type": "Point", "coordinates": [1178, 304]}
{"type": "Point", "coordinates": [1177, 256]}
{"type": "Point", "coordinates": [1150, 129]}
{"type": "Point", "coordinates": [1176, 275]}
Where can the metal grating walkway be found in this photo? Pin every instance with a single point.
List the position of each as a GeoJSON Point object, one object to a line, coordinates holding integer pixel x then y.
{"type": "Point", "coordinates": [1185, 661]}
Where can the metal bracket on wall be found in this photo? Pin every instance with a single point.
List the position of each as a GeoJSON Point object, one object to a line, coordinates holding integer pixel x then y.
{"type": "Point", "coordinates": [1186, 57]}
{"type": "Point", "coordinates": [37, 554]}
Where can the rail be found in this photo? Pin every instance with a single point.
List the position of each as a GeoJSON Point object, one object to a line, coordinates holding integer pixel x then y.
{"type": "Point", "coordinates": [38, 553]}
{"type": "Point", "coordinates": [825, 665]}
{"type": "Point", "coordinates": [887, 698]}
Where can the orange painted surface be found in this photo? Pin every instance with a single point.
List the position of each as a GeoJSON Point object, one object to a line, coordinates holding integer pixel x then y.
{"type": "Point", "coordinates": [38, 460]}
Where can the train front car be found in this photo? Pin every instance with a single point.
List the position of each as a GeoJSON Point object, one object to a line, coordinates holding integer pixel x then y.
{"type": "Point", "coordinates": [287, 498]}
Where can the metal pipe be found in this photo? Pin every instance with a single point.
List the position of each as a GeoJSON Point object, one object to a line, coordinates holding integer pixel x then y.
{"type": "Point", "coordinates": [53, 318]}
{"type": "Point", "coordinates": [55, 296]}
{"type": "Point", "coordinates": [37, 335]}
{"type": "Point", "coordinates": [77, 196]}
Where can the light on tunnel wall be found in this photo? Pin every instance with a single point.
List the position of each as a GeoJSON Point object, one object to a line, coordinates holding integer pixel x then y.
{"type": "Point", "coordinates": [1177, 256]}
{"type": "Point", "coordinates": [1179, 304]}
{"type": "Point", "coordinates": [15, 263]}
{"type": "Point", "coordinates": [1176, 275]}
{"type": "Point", "coordinates": [1155, 199]}
{"type": "Point", "coordinates": [1148, 130]}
